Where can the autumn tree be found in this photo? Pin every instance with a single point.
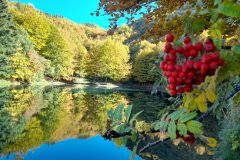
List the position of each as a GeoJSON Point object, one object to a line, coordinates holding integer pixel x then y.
{"type": "Point", "coordinates": [34, 22]}
{"type": "Point", "coordinates": [109, 59]}
{"type": "Point", "coordinates": [81, 61]}
{"type": "Point", "coordinates": [57, 52]}
{"type": "Point", "coordinates": [145, 68]}
{"type": "Point", "coordinates": [22, 69]}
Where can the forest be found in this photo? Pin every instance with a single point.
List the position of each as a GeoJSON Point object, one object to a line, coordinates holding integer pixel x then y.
{"type": "Point", "coordinates": [187, 51]}
{"type": "Point", "coordinates": [36, 46]}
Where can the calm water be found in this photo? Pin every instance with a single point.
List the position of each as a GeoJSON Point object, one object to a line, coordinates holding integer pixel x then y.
{"type": "Point", "coordinates": [74, 149]}
{"type": "Point", "coordinates": [65, 123]}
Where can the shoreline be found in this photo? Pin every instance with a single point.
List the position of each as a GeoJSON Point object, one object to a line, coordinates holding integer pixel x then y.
{"type": "Point", "coordinates": [85, 84]}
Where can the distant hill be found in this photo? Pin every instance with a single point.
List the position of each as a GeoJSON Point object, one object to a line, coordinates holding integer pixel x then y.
{"type": "Point", "coordinates": [54, 48]}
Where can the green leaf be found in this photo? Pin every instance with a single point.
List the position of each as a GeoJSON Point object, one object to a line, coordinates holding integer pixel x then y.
{"type": "Point", "coordinates": [110, 113]}
{"type": "Point", "coordinates": [188, 25]}
{"type": "Point", "coordinates": [128, 113]}
{"type": "Point", "coordinates": [195, 127]}
{"type": "Point", "coordinates": [175, 115]}
{"type": "Point", "coordinates": [229, 9]}
{"type": "Point", "coordinates": [214, 13]}
{"type": "Point", "coordinates": [118, 112]}
{"type": "Point", "coordinates": [218, 43]}
{"type": "Point", "coordinates": [161, 125]}
{"type": "Point", "coordinates": [120, 128]}
{"type": "Point", "coordinates": [182, 128]}
{"type": "Point", "coordinates": [187, 117]}
{"type": "Point", "coordinates": [134, 152]}
{"type": "Point", "coordinates": [236, 49]}
{"type": "Point", "coordinates": [134, 118]}
{"type": "Point", "coordinates": [162, 119]}
{"type": "Point", "coordinates": [198, 25]}
{"type": "Point", "coordinates": [236, 99]}
{"type": "Point", "coordinates": [217, 2]}
{"type": "Point", "coordinates": [215, 33]}
{"type": "Point", "coordinates": [156, 125]}
{"type": "Point", "coordinates": [134, 136]}
{"type": "Point", "coordinates": [172, 130]}
{"type": "Point", "coordinates": [203, 12]}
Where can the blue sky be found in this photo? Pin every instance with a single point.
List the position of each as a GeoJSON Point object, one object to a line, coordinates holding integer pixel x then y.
{"type": "Point", "coordinates": [75, 10]}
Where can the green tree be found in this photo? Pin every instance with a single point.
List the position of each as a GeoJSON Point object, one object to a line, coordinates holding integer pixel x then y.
{"type": "Point", "coordinates": [9, 40]}
{"type": "Point", "coordinates": [12, 38]}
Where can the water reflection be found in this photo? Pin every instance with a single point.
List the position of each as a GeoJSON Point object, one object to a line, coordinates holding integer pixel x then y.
{"type": "Point", "coordinates": [75, 149]}
{"type": "Point", "coordinates": [34, 122]}
{"type": "Point", "coordinates": [30, 117]}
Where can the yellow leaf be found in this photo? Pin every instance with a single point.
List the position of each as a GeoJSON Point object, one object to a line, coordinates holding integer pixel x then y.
{"type": "Point", "coordinates": [118, 142]}
{"type": "Point", "coordinates": [211, 96]}
{"type": "Point", "coordinates": [210, 91]}
{"type": "Point", "coordinates": [201, 103]}
{"type": "Point", "coordinates": [189, 102]}
{"type": "Point", "coordinates": [212, 142]}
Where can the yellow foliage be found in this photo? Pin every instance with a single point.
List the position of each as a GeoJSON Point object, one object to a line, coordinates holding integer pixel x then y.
{"type": "Point", "coordinates": [201, 103]}
{"type": "Point", "coordinates": [34, 22]}
{"type": "Point", "coordinates": [145, 68]}
{"type": "Point", "coordinates": [161, 135]}
{"type": "Point", "coordinates": [212, 142]}
{"type": "Point", "coordinates": [199, 97]}
{"type": "Point", "coordinates": [21, 66]}
{"type": "Point", "coordinates": [211, 96]}
{"type": "Point", "coordinates": [109, 59]}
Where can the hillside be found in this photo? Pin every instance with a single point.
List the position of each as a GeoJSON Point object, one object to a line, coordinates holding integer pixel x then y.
{"type": "Point", "coordinates": [55, 48]}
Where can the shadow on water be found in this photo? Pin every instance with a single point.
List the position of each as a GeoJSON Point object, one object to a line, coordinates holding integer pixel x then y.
{"type": "Point", "coordinates": [32, 117]}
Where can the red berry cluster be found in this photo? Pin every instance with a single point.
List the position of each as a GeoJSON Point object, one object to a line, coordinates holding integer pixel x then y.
{"type": "Point", "coordinates": [196, 62]}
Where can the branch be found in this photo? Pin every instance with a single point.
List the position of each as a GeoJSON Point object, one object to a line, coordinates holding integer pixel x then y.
{"type": "Point", "coordinates": [227, 47]}
{"type": "Point", "coordinates": [113, 134]}
{"type": "Point", "coordinates": [152, 144]}
{"type": "Point", "coordinates": [138, 4]}
{"type": "Point", "coordinates": [237, 89]}
{"type": "Point", "coordinates": [206, 114]}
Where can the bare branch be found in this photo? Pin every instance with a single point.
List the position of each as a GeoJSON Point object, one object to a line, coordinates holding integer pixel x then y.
{"type": "Point", "coordinates": [152, 144]}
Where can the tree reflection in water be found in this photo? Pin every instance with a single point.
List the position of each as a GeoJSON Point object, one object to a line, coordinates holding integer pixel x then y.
{"type": "Point", "coordinates": [32, 116]}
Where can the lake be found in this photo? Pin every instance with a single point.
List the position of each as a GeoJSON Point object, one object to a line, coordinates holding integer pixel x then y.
{"type": "Point", "coordinates": [59, 123]}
